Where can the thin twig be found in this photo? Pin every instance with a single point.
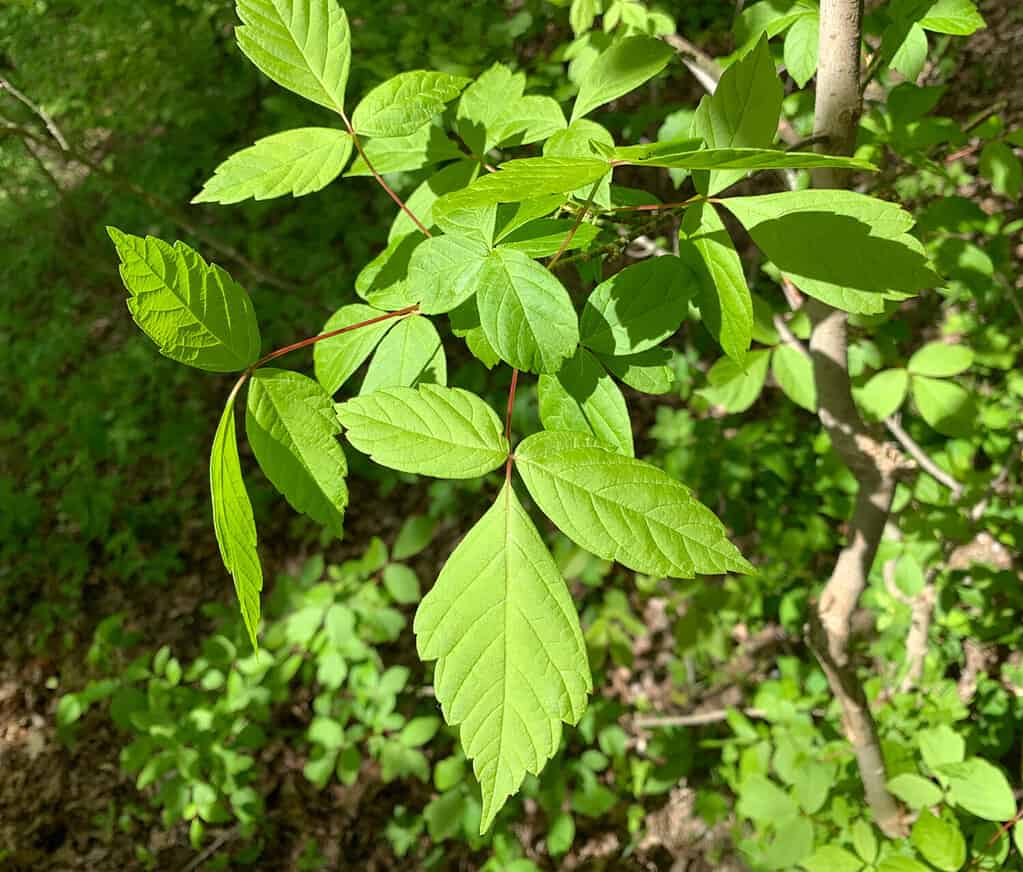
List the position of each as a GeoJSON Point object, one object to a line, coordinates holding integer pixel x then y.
{"type": "Point", "coordinates": [36, 110]}
{"type": "Point", "coordinates": [920, 456]}
{"type": "Point", "coordinates": [788, 337]}
{"type": "Point", "coordinates": [698, 719]}
{"type": "Point", "coordinates": [214, 846]}
{"type": "Point", "coordinates": [575, 227]}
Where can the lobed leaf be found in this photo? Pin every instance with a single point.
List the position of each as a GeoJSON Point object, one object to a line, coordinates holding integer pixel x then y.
{"type": "Point", "coordinates": [511, 661]}
{"type": "Point", "coordinates": [194, 311]}
{"type": "Point", "coordinates": [292, 428]}
{"type": "Point", "coordinates": [429, 430]}
{"type": "Point", "coordinates": [623, 509]}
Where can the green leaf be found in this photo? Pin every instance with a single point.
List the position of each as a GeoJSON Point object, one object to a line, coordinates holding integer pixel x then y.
{"type": "Point", "coordinates": [529, 178]}
{"type": "Point", "coordinates": [401, 583]}
{"type": "Point", "coordinates": [648, 372]}
{"type": "Point", "coordinates": [864, 841]}
{"type": "Point", "coordinates": [405, 102]}
{"type": "Point", "coordinates": [419, 731]}
{"type": "Point", "coordinates": [303, 45]}
{"type": "Point", "coordinates": [742, 113]}
{"type": "Point", "coordinates": [561, 834]}
{"type": "Point", "coordinates": [847, 249]}
{"type": "Point", "coordinates": [940, 360]}
{"type": "Point", "coordinates": [801, 44]}
{"type": "Point", "coordinates": [771, 17]}
{"type": "Point", "coordinates": [421, 201]}
{"type": "Point", "coordinates": [696, 158]}
{"type": "Point", "coordinates": [723, 296]}
{"type": "Point", "coordinates": [831, 858]}
{"type": "Point", "coordinates": [910, 57]}
{"type": "Point", "coordinates": [295, 162]}
{"type": "Point", "coordinates": [763, 801]}
{"type": "Point", "coordinates": [465, 322]}
{"type": "Point", "coordinates": [410, 354]}
{"type": "Point", "coordinates": [623, 67]}
{"type": "Point", "coordinates": [544, 237]}
{"type": "Point", "coordinates": [526, 313]}
{"type": "Point", "coordinates": [733, 387]}
{"type": "Point", "coordinates": [939, 841]}
{"type": "Point", "coordinates": [581, 139]}
{"type": "Point", "coordinates": [445, 271]}
{"type": "Point", "coordinates": [623, 509]}
{"type": "Point", "coordinates": [999, 164]}
{"type": "Point", "coordinates": [793, 371]}
{"type": "Point", "coordinates": [980, 788]}
{"type": "Point", "coordinates": [194, 311]}
{"type": "Point", "coordinates": [909, 575]}
{"type": "Point", "coordinates": [584, 398]}
{"type": "Point", "coordinates": [393, 154]}
{"type": "Point", "coordinates": [444, 815]}
{"type": "Point", "coordinates": [955, 17]}
{"type": "Point", "coordinates": [883, 394]}
{"type": "Point", "coordinates": [901, 864]}
{"type": "Point", "coordinates": [292, 428]}
{"type": "Point", "coordinates": [383, 282]}
{"type": "Point", "coordinates": [944, 405]}
{"type": "Point", "coordinates": [233, 521]}
{"type": "Point", "coordinates": [336, 359]}
{"type": "Point", "coordinates": [511, 661]}
{"type": "Point", "coordinates": [415, 534]}
{"type": "Point", "coordinates": [429, 430]}
{"type": "Point", "coordinates": [940, 745]}
{"type": "Point", "coordinates": [638, 307]}
{"type": "Point", "coordinates": [915, 790]}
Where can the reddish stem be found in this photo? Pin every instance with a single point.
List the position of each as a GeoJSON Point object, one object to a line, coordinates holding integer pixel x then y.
{"type": "Point", "coordinates": [507, 422]}
{"type": "Point", "coordinates": [312, 340]}
{"type": "Point", "coordinates": [380, 179]}
{"type": "Point", "coordinates": [579, 220]}
{"type": "Point", "coordinates": [656, 207]}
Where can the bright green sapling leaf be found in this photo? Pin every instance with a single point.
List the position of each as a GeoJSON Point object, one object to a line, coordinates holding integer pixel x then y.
{"type": "Point", "coordinates": [944, 405]}
{"type": "Point", "coordinates": [882, 395]}
{"type": "Point", "coordinates": [531, 177]}
{"type": "Point", "coordinates": [465, 323]}
{"type": "Point", "coordinates": [545, 237]}
{"type": "Point", "coordinates": [584, 138]}
{"type": "Point", "coordinates": [429, 430]}
{"type": "Point", "coordinates": [649, 371]}
{"type": "Point", "coordinates": [582, 397]}
{"type": "Point", "coordinates": [847, 249]}
{"type": "Point", "coordinates": [638, 307]}
{"type": "Point", "coordinates": [939, 841]}
{"type": "Point", "coordinates": [915, 790]}
{"type": "Point", "coordinates": [295, 162]}
{"type": "Point", "coordinates": [940, 360]}
{"type": "Point", "coordinates": [733, 387]}
{"type": "Point", "coordinates": [411, 353]}
{"type": "Point", "coordinates": [954, 17]}
{"type": "Point", "coordinates": [793, 371]}
{"type": "Point", "coordinates": [696, 158]}
{"type": "Point", "coordinates": [723, 296]}
{"type": "Point", "coordinates": [421, 201]}
{"type": "Point", "coordinates": [445, 271]}
{"type": "Point", "coordinates": [303, 45]}
{"type": "Point", "coordinates": [393, 154]}
{"type": "Point", "coordinates": [383, 282]}
{"type": "Point", "coordinates": [194, 311]}
{"type": "Point", "coordinates": [911, 55]}
{"type": "Point", "coordinates": [801, 46]}
{"type": "Point", "coordinates": [769, 17]}
{"type": "Point", "coordinates": [980, 788]}
{"type": "Point", "coordinates": [405, 102]}
{"type": "Point", "coordinates": [526, 313]}
{"type": "Point", "coordinates": [831, 858]}
{"type": "Point", "coordinates": [233, 521]}
{"type": "Point", "coordinates": [511, 661]}
{"type": "Point", "coordinates": [742, 113]}
{"type": "Point", "coordinates": [623, 67]}
{"type": "Point", "coordinates": [336, 359]}
{"type": "Point", "coordinates": [623, 509]}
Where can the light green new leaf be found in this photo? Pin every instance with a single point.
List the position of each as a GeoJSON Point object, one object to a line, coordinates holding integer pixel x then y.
{"type": "Point", "coordinates": [531, 177]}
{"type": "Point", "coordinates": [623, 509]}
{"type": "Point", "coordinates": [831, 858]}
{"type": "Point", "coordinates": [545, 237]}
{"type": "Point", "coordinates": [771, 17]}
{"type": "Point", "coordinates": [233, 521]}
{"type": "Point", "coordinates": [337, 358]}
{"type": "Point", "coordinates": [445, 271]}
{"type": "Point", "coordinates": [939, 841]}
{"type": "Point", "coordinates": [955, 17]}
{"type": "Point", "coordinates": [194, 311]}
{"type": "Point", "coordinates": [393, 154]}
{"type": "Point", "coordinates": [582, 397]}
{"type": "Point", "coordinates": [662, 149]}
{"type": "Point", "coordinates": [944, 405]}
{"type": "Point", "coordinates": [648, 372]}
{"type": "Point", "coordinates": [638, 307]}
{"type": "Point", "coordinates": [383, 282]}
{"type": "Point", "coordinates": [723, 296]}
{"type": "Point", "coordinates": [525, 312]}
{"type": "Point", "coordinates": [940, 360]}
{"type": "Point", "coordinates": [734, 388]}
{"type": "Point", "coordinates": [623, 67]}
{"type": "Point", "coordinates": [741, 113]}
{"type": "Point", "coordinates": [847, 249]}
{"type": "Point", "coordinates": [429, 430]}
{"type": "Point", "coordinates": [793, 371]}
{"type": "Point", "coordinates": [511, 661]}
{"type": "Point", "coordinates": [303, 45]}
{"type": "Point", "coordinates": [911, 55]}
{"type": "Point", "coordinates": [421, 201]}
{"type": "Point", "coordinates": [529, 119]}
{"type": "Point", "coordinates": [410, 354]}
{"type": "Point", "coordinates": [915, 790]}
{"type": "Point", "coordinates": [739, 158]}
{"type": "Point", "coordinates": [980, 788]}
{"type": "Point", "coordinates": [405, 102]}
{"type": "Point", "coordinates": [883, 393]}
{"type": "Point", "coordinates": [292, 428]}
{"type": "Point", "coordinates": [295, 162]}
{"type": "Point", "coordinates": [801, 47]}
{"type": "Point", "coordinates": [582, 139]}
{"type": "Point", "coordinates": [465, 323]}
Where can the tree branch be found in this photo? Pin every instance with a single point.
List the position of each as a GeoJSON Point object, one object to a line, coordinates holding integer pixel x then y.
{"type": "Point", "coordinates": [874, 463]}
{"type": "Point", "coordinates": [920, 456]}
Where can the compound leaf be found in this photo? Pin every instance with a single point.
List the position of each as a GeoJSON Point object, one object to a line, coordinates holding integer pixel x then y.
{"type": "Point", "coordinates": [429, 430]}
{"type": "Point", "coordinates": [337, 358]}
{"type": "Point", "coordinates": [623, 67]}
{"type": "Point", "coordinates": [405, 102]}
{"type": "Point", "coordinates": [233, 521]}
{"type": "Point", "coordinates": [511, 661]}
{"type": "Point", "coordinates": [445, 271]}
{"type": "Point", "coordinates": [409, 354]}
{"type": "Point", "coordinates": [292, 428]}
{"type": "Point", "coordinates": [623, 509]}
{"type": "Point", "coordinates": [531, 177]}
{"type": "Point", "coordinates": [194, 311]}
{"type": "Point", "coordinates": [303, 45]}
{"type": "Point", "coordinates": [295, 162]}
